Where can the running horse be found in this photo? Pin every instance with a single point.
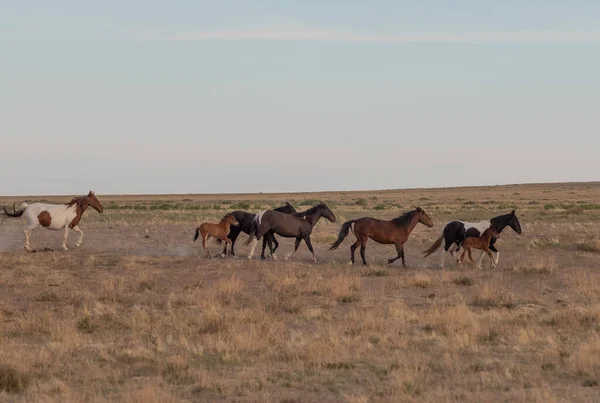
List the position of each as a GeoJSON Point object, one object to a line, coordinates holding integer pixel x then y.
{"type": "Point", "coordinates": [395, 232]}
{"type": "Point", "coordinates": [298, 225]}
{"type": "Point", "coordinates": [56, 216]}
{"type": "Point", "coordinates": [218, 231]}
{"type": "Point", "coordinates": [455, 232]}
{"type": "Point", "coordinates": [482, 243]}
{"type": "Point", "coordinates": [245, 223]}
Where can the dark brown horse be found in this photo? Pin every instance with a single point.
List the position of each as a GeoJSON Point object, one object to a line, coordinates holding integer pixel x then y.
{"type": "Point", "coordinates": [395, 231]}
{"type": "Point", "coordinates": [245, 220]}
{"type": "Point", "coordinates": [299, 226]}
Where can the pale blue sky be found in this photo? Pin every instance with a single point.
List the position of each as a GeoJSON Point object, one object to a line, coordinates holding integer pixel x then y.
{"type": "Point", "coordinates": [266, 96]}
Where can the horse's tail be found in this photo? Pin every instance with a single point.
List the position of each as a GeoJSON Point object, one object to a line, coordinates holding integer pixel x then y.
{"type": "Point", "coordinates": [436, 245]}
{"type": "Point", "coordinates": [346, 227]}
{"type": "Point", "coordinates": [254, 227]}
{"type": "Point", "coordinates": [197, 234]}
{"type": "Point", "coordinates": [15, 213]}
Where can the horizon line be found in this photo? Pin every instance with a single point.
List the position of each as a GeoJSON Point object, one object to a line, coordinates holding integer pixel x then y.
{"type": "Point", "coordinates": [319, 191]}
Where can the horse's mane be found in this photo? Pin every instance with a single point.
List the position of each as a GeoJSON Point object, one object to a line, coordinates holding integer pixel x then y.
{"type": "Point", "coordinates": [405, 219]}
{"type": "Point", "coordinates": [225, 217]}
{"type": "Point", "coordinates": [79, 201]}
{"type": "Point", "coordinates": [310, 210]}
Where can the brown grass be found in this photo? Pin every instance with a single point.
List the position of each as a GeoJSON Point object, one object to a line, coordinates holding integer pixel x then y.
{"type": "Point", "coordinates": [147, 319]}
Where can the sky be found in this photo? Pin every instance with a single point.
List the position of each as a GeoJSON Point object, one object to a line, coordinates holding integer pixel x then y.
{"type": "Point", "coordinates": [285, 96]}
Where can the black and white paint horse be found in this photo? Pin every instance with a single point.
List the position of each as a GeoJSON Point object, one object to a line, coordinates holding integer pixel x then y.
{"type": "Point", "coordinates": [455, 232]}
{"type": "Point", "coordinates": [245, 223]}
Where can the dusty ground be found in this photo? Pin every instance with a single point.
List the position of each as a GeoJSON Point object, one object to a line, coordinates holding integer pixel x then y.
{"type": "Point", "coordinates": [137, 314]}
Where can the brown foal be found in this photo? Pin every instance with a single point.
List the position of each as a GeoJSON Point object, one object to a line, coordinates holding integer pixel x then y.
{"type": "Point", "coordinates": [482, 243]}
{"type": "Point", "coordinates": [219, 231]}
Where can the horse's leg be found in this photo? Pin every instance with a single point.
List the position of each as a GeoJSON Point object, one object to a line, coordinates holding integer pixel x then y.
{"type": "Point", "coordinates": [487, 251]}
{"type": "Point", "coordinates": [310, 247]}
{"type": "Point", "coordinates": [363, 247]}
{"type": "Point", "coordinates": [30, 227]}
{"type": "Point", "coordinates": [493, 249]}
{"type": "Point", "coordinates": [463, 256]}
{"type": "Point", "coordinates": [267, 241]}
{"type": "Point", "coordinates": [480, 259]}
{"type": "Point", "coordinates": [276, 244]}
{"type": "Point", "coordinates": [296, 246]}
{"type": "Point", "coordinates": [80, 232]}
{"type": "Point", "coordinates": [400, 250]}
{"type": "Point", "coordinates": [353, 248]}
{"type": "Point", "coordinates": [270, 240]}
{"type": "Point", "coordinates": [204, 239]}
{"type": "Point", "coordinates": [254, 243]}
{"type": "Point", "coordinates": [226, 241]}
{"type": "Point", "coordinates": [233, 236]}
{"type": "Point", "coordinates": [64, 244]}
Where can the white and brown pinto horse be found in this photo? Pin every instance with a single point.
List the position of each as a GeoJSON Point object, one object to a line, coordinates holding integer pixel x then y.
{"type": "Point", "coordinates": [56, 216]}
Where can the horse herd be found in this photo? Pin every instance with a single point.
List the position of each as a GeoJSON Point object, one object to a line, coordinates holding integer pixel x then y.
{"type": "Point", "coordinates": [285, 221]}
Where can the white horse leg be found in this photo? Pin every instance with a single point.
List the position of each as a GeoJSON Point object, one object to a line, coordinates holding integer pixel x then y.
{"type": "Point", "coordinates": [80, 232]}
{"type": "Point", "coordinates": [252, 248]}
{"type": "Point", "coordinates": [480, 260]}
{"type": "Point", "coordinates": [443, 257]}
{"type": "Point", "coordinates": [64, 244]}
{"type": "Point", "coordinates": [27, 232]}
{"type": "Point", "coordinates": [497, 258]}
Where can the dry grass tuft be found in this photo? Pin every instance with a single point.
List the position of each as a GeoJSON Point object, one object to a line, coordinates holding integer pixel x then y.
{"type": "Point", "coordinates": [538, 265]}
{"type": "Point", "coordinates": [463, 280]}
{"type": "Point", "coordinates": [420, 280]}
{"type": "Point", "coordinates": [489, 297]}
{"type": "Point", "coordinates": [588, 246]}
{"type": "Point", "coordinates": [586, 359]}
{"type": "Point", "coordinates": [12, 380]}
{"type": "Point", "coordinates": [230, 291]}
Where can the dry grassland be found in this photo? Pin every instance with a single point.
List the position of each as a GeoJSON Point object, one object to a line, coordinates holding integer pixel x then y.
{"type": "Point", "coordinates": [137, 314]}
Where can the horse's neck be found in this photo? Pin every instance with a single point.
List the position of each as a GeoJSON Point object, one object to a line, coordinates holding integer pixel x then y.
{"type": "Point", "coordinates": [499, 223]}
{"type": "Point", "coordinates": [414, 220]}
{"type": "Point", "coordinates": [313, 218]}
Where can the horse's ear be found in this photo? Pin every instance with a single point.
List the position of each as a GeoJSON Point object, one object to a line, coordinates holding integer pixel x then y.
{"type": "Point", "coordinates": [91, 193]}
{"type": "Point", "coordinates": [513, 212]}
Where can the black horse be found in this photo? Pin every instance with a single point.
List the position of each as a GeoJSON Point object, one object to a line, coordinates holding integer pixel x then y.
{"type": "Point", "coordinates": [455, 232]}
{"type": "Point", "coordinates": [245, 219]}
{"type": "Point", "coordinates": [298, 225]}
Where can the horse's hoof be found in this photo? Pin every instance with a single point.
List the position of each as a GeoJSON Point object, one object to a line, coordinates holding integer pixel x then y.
{"type": "Point", "coordinates": [65, 248]}
{"type": "Point", "coordinates": [350, 263]}
{"type": "Point", "coordinates": [222, 255]}
{"type": "Point", "coordinates": [78, 245]}
{"type": "Point", "coordinates": [274, 256]}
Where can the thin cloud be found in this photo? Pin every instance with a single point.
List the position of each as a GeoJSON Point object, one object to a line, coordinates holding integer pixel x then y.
{"type": "Point", "coordinates": [315, 34]}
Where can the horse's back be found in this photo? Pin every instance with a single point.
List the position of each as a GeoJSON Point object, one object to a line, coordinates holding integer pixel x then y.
{"type": "Point", "coordinates": [57, 216]}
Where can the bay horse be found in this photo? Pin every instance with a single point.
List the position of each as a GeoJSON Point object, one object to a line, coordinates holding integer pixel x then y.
{"type": "Point", "coordinates": [245, 222]}
{"type": "Point", "coordinates": [395, 232]}
{"type": "Point", "coordinates": [56, 216]}
{"type": "Point", "coordinates": [298, 225]}
{"type": "Point", "coordinates": [219, 231]}
{"type": "Point", "coordinates": [482, 243]}
{"type": "Point", "coordinates": [455, 232]}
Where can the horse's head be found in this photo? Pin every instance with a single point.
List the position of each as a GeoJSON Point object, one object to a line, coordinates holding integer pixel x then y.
{"type": "Point", "coordinates": [514, 223]}
{"type": "Point", "coordinates": [230, 219]}
{"type": "Point", "coordinates": [94, 202]}
{"type": "Point", "coordinates": [423, 217]}
{"type": "Point", "coordinates": [326, 212]}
